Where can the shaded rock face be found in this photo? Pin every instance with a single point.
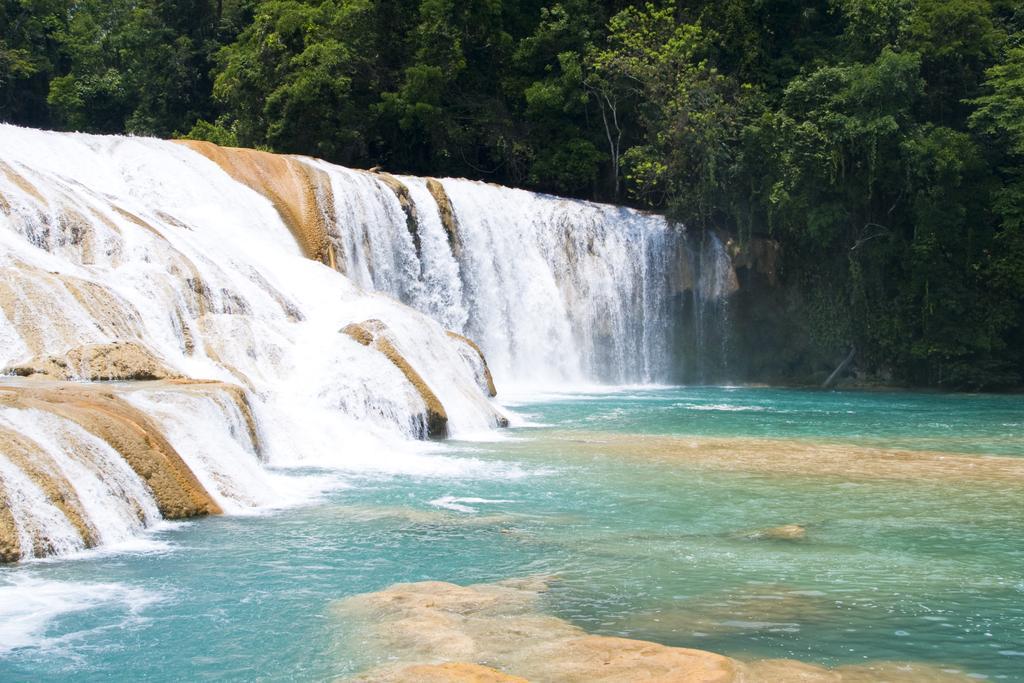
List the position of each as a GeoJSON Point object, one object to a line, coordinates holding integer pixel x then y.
{"type": "Point", "coordinates": [375, 334]}
{"type": "Point", "coordinates": [434, 631]}
{"type": "Point", "coordinates": [117, 361]}
{"type": "Point", "coordinates": [757, 254]}
{"type": "Point", "coordinates": [774, 318]}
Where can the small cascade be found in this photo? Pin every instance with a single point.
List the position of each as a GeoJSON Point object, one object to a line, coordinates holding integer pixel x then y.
{"type": "Point", "coordinates": [215, 441]}
{"type": "Point", "coordinates": [67, 488]}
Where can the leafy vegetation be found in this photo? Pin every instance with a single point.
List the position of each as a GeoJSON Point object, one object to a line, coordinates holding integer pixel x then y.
{"type": "Point", "coordinates": [880, 142]}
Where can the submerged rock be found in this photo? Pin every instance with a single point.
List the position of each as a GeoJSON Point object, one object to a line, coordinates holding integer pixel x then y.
{"type": "Point", "coordinates": [800, 458]}
{"type": "Point", "coordinates": [116, 361]}
{"type": "Point", "coordinates": [449, 672]}
{"type": "Point", "coordinates": [747, 609]}
{"type": "Point", "coordinates": [375, 334]}
{"type": "Point", "coordinates": [786, 532]}
{"type": "Point", "coordinates": [435, 631]}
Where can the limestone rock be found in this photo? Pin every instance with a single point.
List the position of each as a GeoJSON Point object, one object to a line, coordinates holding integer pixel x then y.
{"type": "Point", "coordinates": [407, 204]}
{"type": "Point", "coordinates": [300, 192]}
{"type": "Point", "coordinates": [786, 532]}
{"type": "Point", "coordinates": [435, 631]}
{"type": "Point", "coordinates": [449, 672]}
{"type": "Point", "coordinates": [447, 212]}
{"type": "Point", "coordinates": [33, 460]}
{"type": "Point", "coordinates": [375, 334]}
{"type": "Point", "coordinates": [500, 624]}
{"type": "Point", "coordinates": [127, 430]}
{"type": "Point", "coordinates": [10, 543]}
{"type": "Point", "coordinates": [487, 380]}
{"type": "Point", "coordinates": [98, 362]}
{"type": "Point", "coordinates": [801, 458]}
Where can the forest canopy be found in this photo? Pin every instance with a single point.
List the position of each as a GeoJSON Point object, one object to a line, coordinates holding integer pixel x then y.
{"type": "Point", "coordinates": [879, 142]}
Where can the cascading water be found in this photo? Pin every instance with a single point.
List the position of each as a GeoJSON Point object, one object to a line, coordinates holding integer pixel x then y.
{"type": "Point", "coordinates": [206, 266]}
{"type": "Point", "coordinates": [555, 291]}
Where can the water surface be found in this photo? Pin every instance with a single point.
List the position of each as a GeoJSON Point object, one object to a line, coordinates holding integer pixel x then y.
{"type": "Point", "coordinates": [923, 568]}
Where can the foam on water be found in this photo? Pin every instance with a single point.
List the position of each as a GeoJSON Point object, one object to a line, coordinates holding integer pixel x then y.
{"type": "Point", "coordinates": [459, 504]}
{"type": "Point", "coordinates": [28, 605]}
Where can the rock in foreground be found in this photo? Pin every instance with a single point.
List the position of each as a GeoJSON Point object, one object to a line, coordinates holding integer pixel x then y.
{"type": "Point", "coordinates": [434, 631]}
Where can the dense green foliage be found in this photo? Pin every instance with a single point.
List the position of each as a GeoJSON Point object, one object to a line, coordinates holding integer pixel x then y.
{"type": "Point", "coordinates": [880, 142]}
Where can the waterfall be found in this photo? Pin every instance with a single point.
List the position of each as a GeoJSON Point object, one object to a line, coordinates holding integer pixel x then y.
{"type": "Point", "coordinates": [554, 290]}
{"type": "Point", "coordinates": [276, 310]}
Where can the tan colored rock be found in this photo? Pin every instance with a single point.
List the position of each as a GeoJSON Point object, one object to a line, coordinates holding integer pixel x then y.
{"type": "Point", "coordinates": [798, 458]}
{"type": "Point", "coordinates": [128, 431]}
{"type": "Point", "coordinates": [449, 672]}
{"type": "Point", "coordinates": [443, 632]}
{"type": "Point", "coordinates": [375, 334]}
{"type": "Point", "coordinates": [21, 182]}
{"type": "Point", "coordinates": [101, 410]}
{"type": "Point", "coordinates": [33, 460]}
{"type": "Point", "coordinates": [117, 361]}
{"type": "Point", "coordinates": [447, 213]}
{"type": "Point", "coordinates": [10, 543]}
{"type": "Point", "coordinates": [233, 393]}
{"type": "Point", "coordinates": [300, 192]}
{"type": "Point", "coordinates": [36, 302]}
{"type": "Point", "coordinates": [407, 204]}
{"type": "Point", "coordinates": [786, 532]}
{"type": "Point", "coordinates": [500, 624]}
{"type": "Point", "coordinates": [488, 380]}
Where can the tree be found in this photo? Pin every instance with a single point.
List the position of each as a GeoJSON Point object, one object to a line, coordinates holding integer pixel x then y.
{"type": "Point", "coordinates": [548, 70]}
{"type": "Point", "coordinates": [29, 56]}
{"type": "Point", "coordinates": [296, 78]}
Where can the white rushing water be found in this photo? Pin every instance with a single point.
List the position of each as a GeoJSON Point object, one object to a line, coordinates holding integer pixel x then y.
{"type": "Point", "coordinates": [106, 239]}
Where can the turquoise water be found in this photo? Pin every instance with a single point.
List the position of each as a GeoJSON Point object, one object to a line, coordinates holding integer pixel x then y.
{"type": "Point", "coordinates": [969, 423]}
{"type": "Point", "coordinates": [923, 569]}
